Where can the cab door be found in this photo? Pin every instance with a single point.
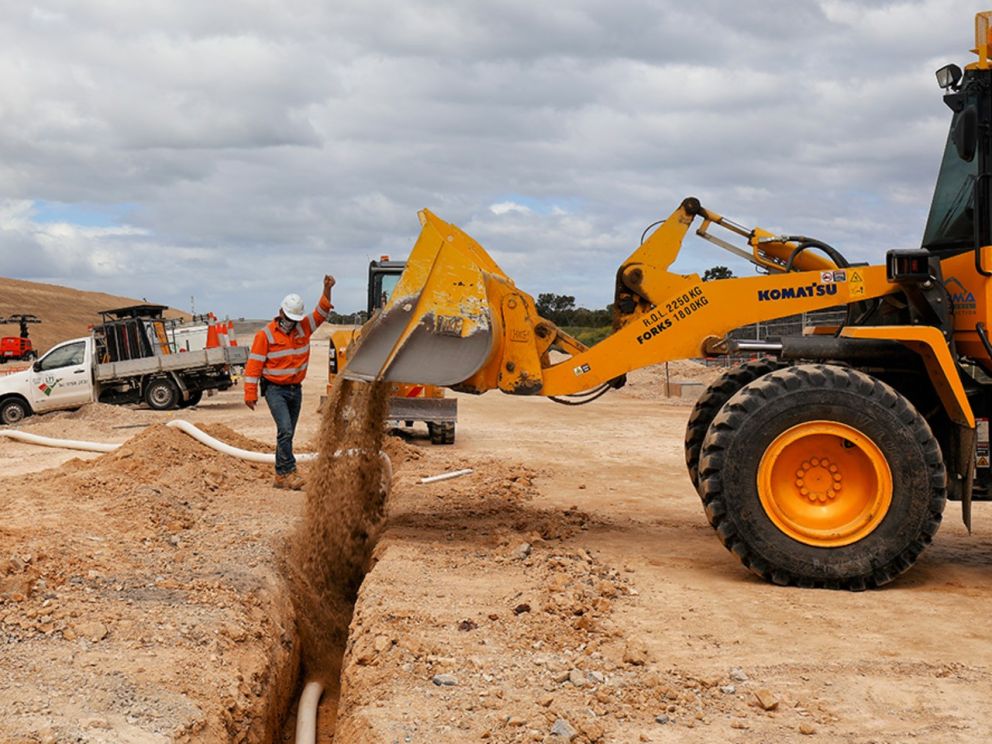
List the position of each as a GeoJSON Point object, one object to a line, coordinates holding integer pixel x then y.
{"type": "Point", "coordinates": [62, 378]}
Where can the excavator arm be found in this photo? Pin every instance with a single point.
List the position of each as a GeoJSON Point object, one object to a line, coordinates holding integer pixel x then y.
{"type": "Point", "coordinates": [456, 319]}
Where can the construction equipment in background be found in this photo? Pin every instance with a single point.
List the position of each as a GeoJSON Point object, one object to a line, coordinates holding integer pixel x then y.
{"type": "Point", "coordinates": [18, 348]}
{"type": "Point", "coordinates": [827, 463]}
{"type": "Point", "coordinates": [408, 402]}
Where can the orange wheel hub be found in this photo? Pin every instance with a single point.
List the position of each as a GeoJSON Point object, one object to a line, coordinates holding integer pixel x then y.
{"type": "Point", "coordinates": [825, 484]}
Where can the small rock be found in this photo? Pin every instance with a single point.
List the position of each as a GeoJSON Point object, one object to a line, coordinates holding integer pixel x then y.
{"type": "Point", "coordinates": [661, 719]}
{"type": "Point", "coordinates": [596, 678]}
{"type": "Point", "coordinates": [521, 608]}
{"type": "Point", "coordinates": [738, 724]}
{"type": "Point", "coordinates": [517, 721]}
{"type": "Point", "coordinates": [766, 699]}
{"type": "Point", "coordinates": [381, 643]}
{"type": "Point", "coordinates": [806, 729]}
{"type": "Point", "coordinates": [728, 689]}
{"type": "Point", "coordinates": [444, 680]}
{"type": "Point", "coordinates": [737, 674]}
{"type": "Point", "coordinates": [97, 723]}
{"type": "Point", "coordinates": [93, 630]}
{"type": "Point", "coordinates": [563, 730]}
{"type": "Point", "coordinates": [635, 653]}
{"type": "Point", "coordinates": [576, 678]}
{"type": "Point", "coordinates": [466, 625]}
{"type": "Point", "coordinates": [522, 551]}
{"type": "Point", "coordinates": [593, 731]}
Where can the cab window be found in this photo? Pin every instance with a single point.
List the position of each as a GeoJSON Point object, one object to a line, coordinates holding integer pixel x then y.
{"type": "Point", "coordinates": [64, 356]}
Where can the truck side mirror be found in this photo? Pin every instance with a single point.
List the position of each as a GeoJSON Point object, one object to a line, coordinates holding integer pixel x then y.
{"type": "Point", "coordinates": [36, 366]}
{"type": "Point", "coordinates": [965, 134]}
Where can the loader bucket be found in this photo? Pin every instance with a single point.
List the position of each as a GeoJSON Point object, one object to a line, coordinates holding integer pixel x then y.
{"type": "Point", "coordinates": [437, 327]}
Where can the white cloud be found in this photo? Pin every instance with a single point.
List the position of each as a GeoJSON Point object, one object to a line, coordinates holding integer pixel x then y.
{"type": "Point", "coordinates": [252, 147]}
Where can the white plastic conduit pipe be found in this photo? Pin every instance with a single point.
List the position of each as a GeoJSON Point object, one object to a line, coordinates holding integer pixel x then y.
{"type": "Point", "coordinates": [74, 444]}
{"type": "Point", "coordinates": [306, 713]}
{"type": "Point", "coordinates": [267, 458]}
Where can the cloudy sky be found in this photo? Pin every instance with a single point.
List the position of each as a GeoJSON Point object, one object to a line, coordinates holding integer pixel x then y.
{"type": "Point", "coordinates": [238, 151]}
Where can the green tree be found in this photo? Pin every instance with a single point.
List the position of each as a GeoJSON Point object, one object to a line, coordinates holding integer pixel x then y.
{"type": "Point", "coordinates": [717, 272]}
{"type": "Point", "coordinates": [555, 307]}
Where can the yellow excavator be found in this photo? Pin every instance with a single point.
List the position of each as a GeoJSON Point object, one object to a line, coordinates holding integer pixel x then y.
{"type": "Point", "coordinates": [827, 462]}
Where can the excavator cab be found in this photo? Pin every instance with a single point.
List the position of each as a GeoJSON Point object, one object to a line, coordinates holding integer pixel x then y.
{"type": "Point", "coordinates": [408, 402]}
{"type": "Point", "coordinates": [828, 460]}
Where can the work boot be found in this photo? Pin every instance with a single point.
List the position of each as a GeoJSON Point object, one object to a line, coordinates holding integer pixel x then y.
{"type": "Point", "coordinates": [290, 481]}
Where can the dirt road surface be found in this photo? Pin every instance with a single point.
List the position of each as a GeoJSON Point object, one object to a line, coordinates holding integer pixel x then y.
{"type": "Point", "coordinates": [569, 589]}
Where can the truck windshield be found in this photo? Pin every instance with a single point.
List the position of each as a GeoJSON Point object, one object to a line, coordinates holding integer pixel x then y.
{"type": "Point", "coordinates": [951, 224]}
{"type": "Point", "coordinates": [64, 356]}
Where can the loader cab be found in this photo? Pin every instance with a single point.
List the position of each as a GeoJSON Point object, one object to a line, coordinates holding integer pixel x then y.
{"type": "Point", "coordinates": [960, 216]}
{"type": "Point", "coordinates": [383, 277]}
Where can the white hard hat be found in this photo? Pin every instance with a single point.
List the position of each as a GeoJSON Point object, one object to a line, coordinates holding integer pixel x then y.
{"type": "Point", "coordinates": [292, 307]}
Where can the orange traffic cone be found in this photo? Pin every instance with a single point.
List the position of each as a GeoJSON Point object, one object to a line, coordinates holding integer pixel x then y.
{"type": "Point", "coordinates": [212, 339]}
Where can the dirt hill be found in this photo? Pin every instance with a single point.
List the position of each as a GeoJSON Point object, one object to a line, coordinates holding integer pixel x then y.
{"type": "Point", "coordinates": [65, 312]}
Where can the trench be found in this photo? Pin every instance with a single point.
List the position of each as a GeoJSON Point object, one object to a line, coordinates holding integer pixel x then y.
{"type": "Point", "coordinates": [330, 552]}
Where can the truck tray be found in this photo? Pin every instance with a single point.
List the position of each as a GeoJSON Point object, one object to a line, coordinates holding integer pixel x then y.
{"type": "Point", "coordinates": [173, 362]}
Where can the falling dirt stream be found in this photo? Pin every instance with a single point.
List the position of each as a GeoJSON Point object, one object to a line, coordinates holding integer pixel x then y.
{"type": "Point", "coordinates": [345, 508]}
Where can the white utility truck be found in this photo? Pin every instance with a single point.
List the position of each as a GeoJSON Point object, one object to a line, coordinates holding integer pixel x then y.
{"type": "Point", "coordinates": [132, 356]}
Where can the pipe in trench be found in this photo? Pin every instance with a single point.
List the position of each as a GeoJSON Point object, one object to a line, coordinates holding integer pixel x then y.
{"type": "Point", "coordinates": [306, 713]}
{"type": "Point", "coordinates": [306, 718]}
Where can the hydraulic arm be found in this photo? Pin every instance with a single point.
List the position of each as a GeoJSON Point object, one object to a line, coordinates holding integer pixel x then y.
{"type": "Point", "coordinates": [457, 319]}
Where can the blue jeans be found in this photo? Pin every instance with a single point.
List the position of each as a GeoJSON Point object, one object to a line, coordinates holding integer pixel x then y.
{"type": "Point", "coordinates": [284, 405]}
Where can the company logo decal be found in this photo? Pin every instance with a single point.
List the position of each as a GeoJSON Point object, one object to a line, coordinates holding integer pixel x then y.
{"type": "Point", "coordinates": [963, 298]}
{"type": "Point", "coordinates": [796, 293]}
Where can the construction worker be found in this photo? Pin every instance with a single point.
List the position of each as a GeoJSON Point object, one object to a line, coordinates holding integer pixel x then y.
{"type": "Point", "coordinates": [278, 362]}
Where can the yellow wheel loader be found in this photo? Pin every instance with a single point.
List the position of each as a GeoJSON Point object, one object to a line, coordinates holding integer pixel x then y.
{"type": "Point", "coordinates": [825, 464]}
{"type": "Point", "coordinates": [408, 402]}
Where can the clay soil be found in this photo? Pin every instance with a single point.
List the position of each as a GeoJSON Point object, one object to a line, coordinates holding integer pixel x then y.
{"type": "Point", "coordinates": [570, 584]}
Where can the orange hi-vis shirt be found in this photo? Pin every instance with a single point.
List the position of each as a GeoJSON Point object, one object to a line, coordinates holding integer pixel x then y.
{"type": "Point", "coordinates": [282, 358]}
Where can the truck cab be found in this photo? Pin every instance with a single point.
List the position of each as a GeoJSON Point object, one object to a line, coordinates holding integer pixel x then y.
{"type": "Point", "coordinates": [62, 378]}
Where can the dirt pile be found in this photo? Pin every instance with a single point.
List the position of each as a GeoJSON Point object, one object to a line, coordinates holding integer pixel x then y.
{"type": "Point", "coordinates": [128, 581]}
{"type": "Point", "coordinates": [345, 507]}
{"type": "Point", "coordinates": [649, 382]}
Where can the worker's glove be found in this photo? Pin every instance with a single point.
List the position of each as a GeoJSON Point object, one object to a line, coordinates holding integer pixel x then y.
{"type": "Point", "coordinates": [251, 404]}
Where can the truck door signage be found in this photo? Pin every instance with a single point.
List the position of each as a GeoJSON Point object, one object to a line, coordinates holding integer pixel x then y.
{"type": "Point", "coordinates": [49, 384]}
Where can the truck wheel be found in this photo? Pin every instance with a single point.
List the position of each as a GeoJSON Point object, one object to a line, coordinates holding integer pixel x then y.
{"type": "Point", "coordinates": [822, 476]}
{"type": "Point", "coordinates": [711, 401]}
{"type": "Point", "coordinates": [194, 398]}
{"type": "Point", "coordinates": [162, 394]}
{"type": "Point", "coordinates": [448, 432]}
{"type": "Point", "coordinates": [13, 411]}
{"type": "Point", "coordinates": [434, 430]}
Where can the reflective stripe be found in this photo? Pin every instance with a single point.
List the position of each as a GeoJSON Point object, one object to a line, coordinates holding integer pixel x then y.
{"type": "Point", "coordinates": [287, 352]}
{"type": "Point", "coordinates": [268, 334]}
{"type": "Point", "coordinates": [257, 357]}
{"type": "Point", "coordinates": [284, 372]}
{"type": "Point", "coordinates": [251, 380]}
{"type": "Point", "coordinates": [322, 312]}
{"type": "Point", "coordinates": [308, 330]}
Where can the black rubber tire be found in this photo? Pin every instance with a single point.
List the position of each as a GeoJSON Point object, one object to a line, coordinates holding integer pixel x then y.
{"type": "Point", "coordinates": [448, 432]}
{"type": "Point", "coordinates": [195, 397]}
{"type": "Point", "coordinates": [711, 401]}
{"type": "Point", "coordinates": [753, 419]}
{"type": "Point", "coordinates": [13, 411]}
{"type": "Point", "coordinates": [162, 394]}
{"type": "Point", "coordinates": [436, 435]}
